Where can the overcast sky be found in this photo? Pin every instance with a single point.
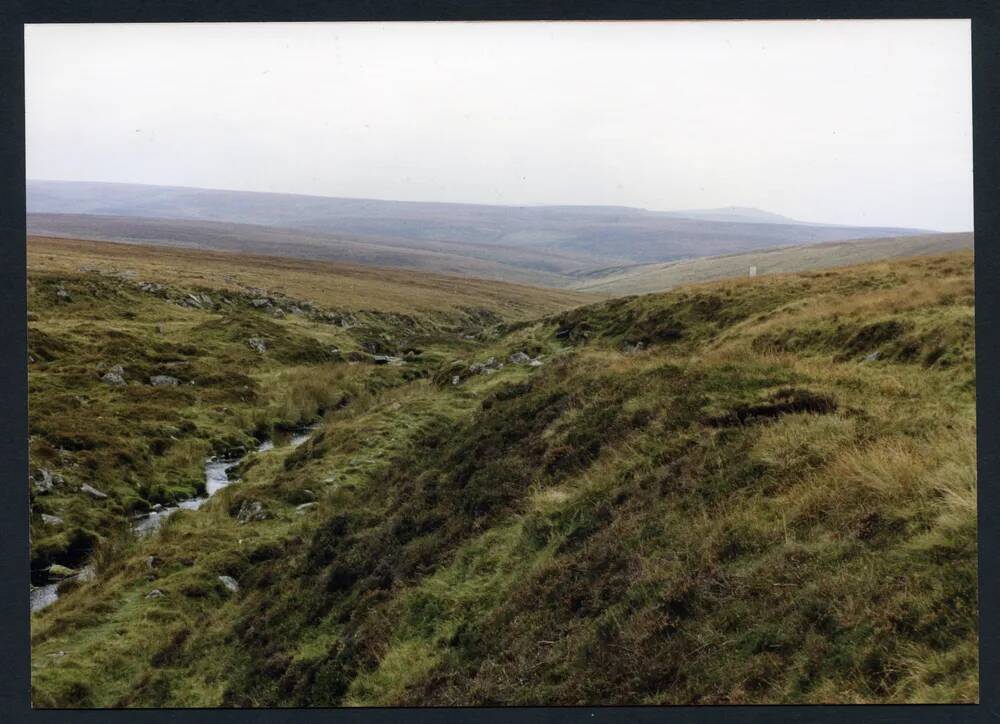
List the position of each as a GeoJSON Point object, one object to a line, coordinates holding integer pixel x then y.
{"type": "Point", "coordinates": [857, 122]}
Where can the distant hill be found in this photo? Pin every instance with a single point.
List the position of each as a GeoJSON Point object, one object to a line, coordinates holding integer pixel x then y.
{"type": "Point", "coordinates": [736, 213]}
{"type": "Point", "coordinates": [555, 240]}
{"type": "Point", "coordinates": [645, 278]}
{"type": "Point", "coordinates": [487, 262]}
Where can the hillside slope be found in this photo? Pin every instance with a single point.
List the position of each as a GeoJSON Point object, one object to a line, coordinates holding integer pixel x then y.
{"type": "Point", "coordinates": [97, 308]}
{"type": "Point", "coordinates": [730, 493]}
{"type": "Point", "coordinates": [348, 286]}
{"type": "Point", "coordinates": [496, 262]}
{"type": "Point", "coordinates": [599, 236]}
{"type": "Point", "coordinates": [646, 278]}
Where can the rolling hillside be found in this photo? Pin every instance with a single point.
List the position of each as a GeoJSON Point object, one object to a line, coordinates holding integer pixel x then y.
{"type": "Point", "coordinates": [642, 279]}
{"type": "Point", "coordinates": [532, 244]}
{"type": "Point", "coordinates": [733, 493]}
{"type": "Point", "coordinates": [334, 285]}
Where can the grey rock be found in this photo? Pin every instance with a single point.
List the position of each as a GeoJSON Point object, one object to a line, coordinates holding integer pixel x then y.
{"type": "Point", "coordinates": [872, 357]}
{"type": "Point", "coordinates": [257, 344]}
{"type": "Point", "coordinates": [230, 583]}
{"type": "Point", "coordinates": [260, 302]}
{"type": "Point", "coordinates": [455, 380]}
{"type": "Point", "coordinates": [151, 562]}
{"type": "Point", "coordinates": [485, 368]}
{"type": "Point", "coordinates": [63, 294]}
{"type": "Point", "coordinates": [42, 481]}
{"type": "Point", "coordinates": [51, 519]}
{"type": "Point", "coordinates": [115, 379]}
{"type": "Point", "coordinates": [384, 359]}
{"type": "Point", "coordinates": [304, 507]}
{"type": "Point", "coordinates": [163, 381]}
{"type": "Point", "coordinates": [92, 491]}
{"type": "Point", "coordinates": [279, 313]}
{"type": "Point", "coordinates": [520, 358]}
{"type": "Point", "coordinates": [535, 363]}
{"type": "Point", "coordinates": [251, 510]}
{"type": "Point", "coordinates": [155, 593]}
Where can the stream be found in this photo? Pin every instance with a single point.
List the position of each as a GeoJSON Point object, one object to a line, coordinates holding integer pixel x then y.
{"type": "Point", "coordinates": [216, 478]}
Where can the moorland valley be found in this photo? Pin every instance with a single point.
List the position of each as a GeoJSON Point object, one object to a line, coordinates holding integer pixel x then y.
{"type": "Point", "coordinates": [332, 452]}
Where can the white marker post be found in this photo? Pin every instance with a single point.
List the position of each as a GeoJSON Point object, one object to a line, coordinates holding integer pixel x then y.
{"type": "Point", "coordinates": [753, 270]}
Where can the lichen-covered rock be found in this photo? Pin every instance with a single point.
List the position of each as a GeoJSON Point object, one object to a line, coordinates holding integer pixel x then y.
{"type": "Point", "coordinates": [251, 510]}
{"type": "Point", "coordinates": [115, 379]}
{"type": "Point", "coordinates": [43, 481]}
{"type": "Point", "coordinates": [163, 381]}
{"type": "Point", "coordinates": [92, 491]}
{"type": "Point", "coordinates": [257, 344]}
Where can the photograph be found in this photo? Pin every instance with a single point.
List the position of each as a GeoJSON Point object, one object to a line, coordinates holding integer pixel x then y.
{"type": "Point", "coordinates": [500, 364]}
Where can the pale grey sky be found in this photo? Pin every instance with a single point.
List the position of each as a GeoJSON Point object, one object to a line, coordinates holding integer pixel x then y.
{"type": "Point", "coordinates": [857, 122]}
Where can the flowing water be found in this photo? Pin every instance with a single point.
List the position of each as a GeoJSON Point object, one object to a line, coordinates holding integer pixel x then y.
{"type": "Point", "coordinates": [216, 478]}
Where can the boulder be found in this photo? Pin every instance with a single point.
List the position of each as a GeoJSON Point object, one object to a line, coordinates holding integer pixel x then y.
{"type": "Point", "coordinates": [51, 519]}
{"type": "Point", "coordinates": [163, 381]}
{"type": "Point", "coordinates": [230, 583]}
{"type": "Point", "coordinates": [92, 491]}
{"type": "Point", "coordinates": [257, 344]}
{"type": "Point", "coordinates": [872, 357]}
{"type": "Point", "coordinates": [260, 302]}
{"type": "Point", "coordinates": [485, 368]}
{"type": "Point", "coordinates": [61, 293]}
{"type": "Point", "coordinates": [535, 363]}
{"type": "Point", "coordinates": [155, 593]}
{"type": "Point", "coordinates": [251, 510]}
{"type": "Point", "coordinates": [304, 507]}
{"type": "Point", "coordinates": [520, 358]}
{"type": "Point", "coordinates": [43, 481]}
{"type": "Point", "coordinates": [115, 379]}
{"type": "Point", "coordinates": [384, 359]}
